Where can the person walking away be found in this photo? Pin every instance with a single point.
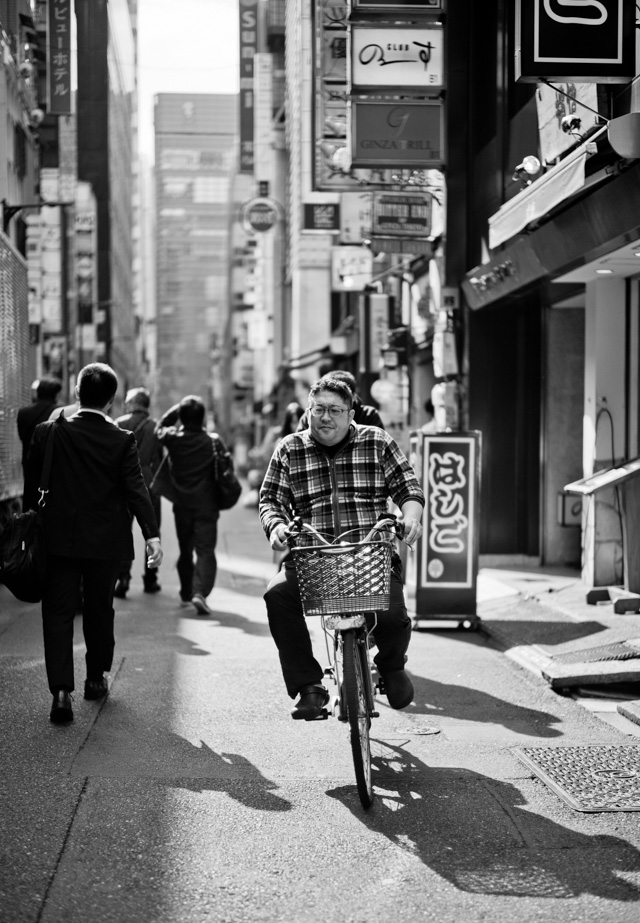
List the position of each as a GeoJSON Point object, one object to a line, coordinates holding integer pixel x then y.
{"type": "Point", "coordinates": [336, 476]}
{"type": "Point", "coordinates": [363, 414]}
{"type": "Point", "coordinates": [192, 454]}
{"type": "Point", "coordinates": [46, 400]}
{"type": "Point", "coordinates": [95, 480]}
{"type": "Point", "coordinates": [138, 421]}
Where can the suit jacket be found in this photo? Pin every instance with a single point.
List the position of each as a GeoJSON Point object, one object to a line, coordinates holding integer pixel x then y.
{"type": "Point", "coordinates": [27, 420]}
{"type": "Point", "coordinates": [143, 428]}
{"type": "Point", "coordinates": [95, 481]}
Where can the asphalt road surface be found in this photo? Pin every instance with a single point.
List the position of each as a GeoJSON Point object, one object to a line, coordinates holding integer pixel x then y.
{"type": "Point", "coordinates": [190, 795]}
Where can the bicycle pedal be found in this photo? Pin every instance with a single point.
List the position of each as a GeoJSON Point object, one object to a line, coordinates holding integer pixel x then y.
{"type": "Point", "coordinates": [324, 714]}
{"type": "Point", "coordinates": [375, 714]}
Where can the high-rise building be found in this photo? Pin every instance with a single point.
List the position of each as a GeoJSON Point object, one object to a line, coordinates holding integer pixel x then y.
{"type": "Point", "coordinates": [195, 157]}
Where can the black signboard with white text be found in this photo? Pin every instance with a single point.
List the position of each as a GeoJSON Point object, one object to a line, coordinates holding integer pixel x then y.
{"type": "Point", "coordinates": [586, 42]}
{"type": "Point", "coordinates": [448, 465]}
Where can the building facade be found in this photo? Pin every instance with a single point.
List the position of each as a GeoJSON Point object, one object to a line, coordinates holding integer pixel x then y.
{"type": "Point", "coordinates": [195, 157]}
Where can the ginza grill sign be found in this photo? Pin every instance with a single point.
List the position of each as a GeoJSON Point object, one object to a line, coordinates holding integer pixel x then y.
{"type": "Point", "coordinates": [396, 134]}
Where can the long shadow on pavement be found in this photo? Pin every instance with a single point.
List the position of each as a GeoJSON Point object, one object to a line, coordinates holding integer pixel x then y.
{"type": "Point", "coordinates": [228, 620]}
{"type": "Point", "coordinates": [477, 833]}
{"type": "Point", "coordinates": [448, 700]}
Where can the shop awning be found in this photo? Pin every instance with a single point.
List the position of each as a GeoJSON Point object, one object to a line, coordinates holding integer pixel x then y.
{"type": "Point", "coordinates": [557, 184]}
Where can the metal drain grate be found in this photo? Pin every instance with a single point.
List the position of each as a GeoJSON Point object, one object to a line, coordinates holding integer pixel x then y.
{"type": "Point", "coordinates": [618, 650]}
{"type": "Point", "coordinates": [589, 778]}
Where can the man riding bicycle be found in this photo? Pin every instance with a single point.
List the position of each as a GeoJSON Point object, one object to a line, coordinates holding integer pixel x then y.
{"type": "Point", "coordinates": [336, 476]}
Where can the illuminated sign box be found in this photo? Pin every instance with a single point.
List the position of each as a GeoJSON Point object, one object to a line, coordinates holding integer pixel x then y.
{"type": "Point", "coordinates": [590, 42]}
{"type": "Point", "coordinates": [395, 135]}
{"type": "Point", "coordinates": [390, 56]}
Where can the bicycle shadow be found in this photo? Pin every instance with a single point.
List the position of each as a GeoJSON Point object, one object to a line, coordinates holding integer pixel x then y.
{"type": "Point", "coordinates": [463, 703]}
{"type": "Point", "coordinates": [477, 833]}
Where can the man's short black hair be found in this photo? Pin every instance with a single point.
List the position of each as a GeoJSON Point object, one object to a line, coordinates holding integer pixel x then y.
{"type": "Point", "coordinates": [346, 377]}
{"type": "Point", "coordinates": [97, 385]}
{"type": "Point", "coordinates": [48, 389]}
{"type": "Point", "coordinates": [138, 396]}
{"type": "Point", "coordinates": [339, 388]}
{"type": "Point", "coordinates": [191, 411]}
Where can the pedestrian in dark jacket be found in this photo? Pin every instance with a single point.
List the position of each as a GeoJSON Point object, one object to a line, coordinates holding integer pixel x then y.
{"type": "Point", "coordinates": [192, 452]}
{"type": "Point", "coordinates": [143, 427]}
{"type": "Point", "coordinates": [95, 482]}
{"type": "Point", "coordinates": [47, 391]}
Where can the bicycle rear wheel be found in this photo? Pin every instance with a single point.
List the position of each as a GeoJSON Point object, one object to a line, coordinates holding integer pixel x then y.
{"type": "Point", "coordinates": [356, 685]}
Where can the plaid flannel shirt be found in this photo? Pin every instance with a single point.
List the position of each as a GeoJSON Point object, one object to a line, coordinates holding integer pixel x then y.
{"type": "Point", "coordinates": [348, 491]}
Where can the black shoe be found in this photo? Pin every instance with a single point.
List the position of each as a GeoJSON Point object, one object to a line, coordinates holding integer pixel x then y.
{"type": "Point", "coordinates": [95, 688]}
{"type": "Point", "coordinates": [152, 586]}
{"type": "Point", "coordinates": [311, 702]}
{"type": "Point", "coordinates": [398, 688]}
{"type": "Point", "coordinates": [122, 586]}
{"type": "Point", "coordinates": [61, 710]}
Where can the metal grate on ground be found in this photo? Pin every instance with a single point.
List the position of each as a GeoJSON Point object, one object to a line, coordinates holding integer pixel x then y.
{"type": "Point", "coordinates": [590, 779]}
{"type": "Point", "coordinates": [617, 650]}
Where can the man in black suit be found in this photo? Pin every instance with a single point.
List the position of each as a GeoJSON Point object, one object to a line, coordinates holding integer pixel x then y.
{"type": "Point", "coordinates": [47, 391]}
{"type": "Point", "coordinates": [95, 481]}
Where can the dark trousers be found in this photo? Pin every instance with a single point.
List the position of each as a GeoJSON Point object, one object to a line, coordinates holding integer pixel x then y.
{"type": "Point", "coordinates": [59, 605]}
{"type": "Point", "coordinates": [197, 534]}
{"type": "Point", "coordinates": [289, 630]}
{"type": "Point", "coordinates": [150, 575]}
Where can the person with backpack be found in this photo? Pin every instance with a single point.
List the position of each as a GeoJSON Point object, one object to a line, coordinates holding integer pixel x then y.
{"type": "Point", "coordinates": [192, 458]}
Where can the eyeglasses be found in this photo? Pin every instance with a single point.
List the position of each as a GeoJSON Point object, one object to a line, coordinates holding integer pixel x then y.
{"type": "Point", "coordinates": [319, 410]}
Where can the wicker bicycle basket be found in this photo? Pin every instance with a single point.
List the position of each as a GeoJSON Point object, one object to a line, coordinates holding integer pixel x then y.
{"type": "Point", "coordinates": [344, 578]}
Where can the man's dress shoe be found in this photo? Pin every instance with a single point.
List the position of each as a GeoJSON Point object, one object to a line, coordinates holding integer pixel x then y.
{"type": "Point", "coordinates": [61, 710]}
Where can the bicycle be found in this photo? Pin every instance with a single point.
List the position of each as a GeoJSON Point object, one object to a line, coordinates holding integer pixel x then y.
{"type": "Point", "coordinates": [341, 582]}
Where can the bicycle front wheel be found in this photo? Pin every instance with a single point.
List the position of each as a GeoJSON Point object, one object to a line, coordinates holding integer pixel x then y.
{"type": "Point", "coordinates": [356, 684]}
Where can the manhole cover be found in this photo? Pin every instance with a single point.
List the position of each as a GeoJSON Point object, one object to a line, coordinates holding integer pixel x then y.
{"type": "Point", "coordinates": [617, 650]}
{"type": "Point", "coordinates": [589, 778]}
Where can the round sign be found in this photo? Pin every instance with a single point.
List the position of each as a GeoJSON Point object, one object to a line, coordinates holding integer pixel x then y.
{"type": "Point", "coordinates": [260, 214]}
{"type": "Point", "coordinates": [383, 390]}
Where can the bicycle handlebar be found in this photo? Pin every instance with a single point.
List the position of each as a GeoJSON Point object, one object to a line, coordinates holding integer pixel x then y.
{"type": "Point", "coordinates": [386, 522]}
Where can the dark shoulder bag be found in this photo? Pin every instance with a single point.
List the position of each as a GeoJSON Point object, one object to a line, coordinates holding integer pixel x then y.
{"type": "Point", "coordinates": [227, 487]}
{"type": "Point", "coordinates": [23, 556]}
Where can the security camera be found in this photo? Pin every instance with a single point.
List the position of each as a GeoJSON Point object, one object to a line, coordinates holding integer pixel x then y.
{"type": "Point", "coordinates": [570, 123]}
{"type": "Point", "coordinates": [36, 117]}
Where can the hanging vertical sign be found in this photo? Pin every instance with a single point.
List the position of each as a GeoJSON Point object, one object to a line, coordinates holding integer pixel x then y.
{"type": "Point", "coordinates": [248, 49]}
{"type": "Point", "coordinates": [59, 57]}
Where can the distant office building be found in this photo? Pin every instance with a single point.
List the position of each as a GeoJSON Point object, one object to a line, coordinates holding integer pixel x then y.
{"type": "Point", "coordinates": [195, 155]}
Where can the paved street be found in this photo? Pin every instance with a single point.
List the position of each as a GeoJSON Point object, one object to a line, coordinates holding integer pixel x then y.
{"type": "Point", "coordinates": [190, 795]}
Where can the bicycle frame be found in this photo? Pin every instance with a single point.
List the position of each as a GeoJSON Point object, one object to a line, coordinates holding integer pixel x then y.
{"type": "Point", "coordinates": [334, 628]}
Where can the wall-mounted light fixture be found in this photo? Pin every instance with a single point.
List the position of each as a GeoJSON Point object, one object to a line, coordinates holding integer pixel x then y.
{"type": "Point", "coordinates": [526, 170]}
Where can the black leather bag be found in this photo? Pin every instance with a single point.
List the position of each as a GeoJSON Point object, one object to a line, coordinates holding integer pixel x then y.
{"type": "Point", "coordinates": [227, 487]}
{"type": "Point", "coordinates": [23, 556]}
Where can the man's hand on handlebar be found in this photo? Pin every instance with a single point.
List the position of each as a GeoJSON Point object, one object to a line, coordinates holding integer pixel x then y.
{"type": "Point", "coordinates": [412, 530]}
{"type": "Point", "coordinates": [278, 537]}
{"type": "Point", "coordinates": [412, 520]}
